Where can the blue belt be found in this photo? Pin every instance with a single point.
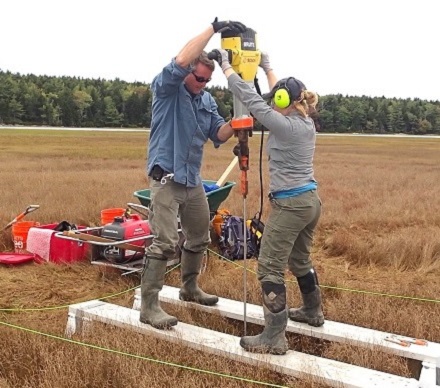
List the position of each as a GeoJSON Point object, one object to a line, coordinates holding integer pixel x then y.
{"type": "Point", "coordinates": [293, 192]}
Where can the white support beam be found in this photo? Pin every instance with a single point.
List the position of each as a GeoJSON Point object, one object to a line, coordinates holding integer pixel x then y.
{"type": "Point", "coordinates": [76, 322]}
{"type": "Point", "coordinates": [428, 375]}
{"type": "Point", "coordinates": [331, 331]}
{"type": "Point", "coordinates": [333, 373]}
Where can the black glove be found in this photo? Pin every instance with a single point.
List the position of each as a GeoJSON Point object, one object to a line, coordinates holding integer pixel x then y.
{"type": "Point", "coordinates": [237, 150]}
{"type": "Point", "coordinates": [228, 25]}
{"type": "Point", "coordinates": [222, 57]}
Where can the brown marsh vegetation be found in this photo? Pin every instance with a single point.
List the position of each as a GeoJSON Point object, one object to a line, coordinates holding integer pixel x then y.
{"type": "Point", "coordinates": [379, 233]}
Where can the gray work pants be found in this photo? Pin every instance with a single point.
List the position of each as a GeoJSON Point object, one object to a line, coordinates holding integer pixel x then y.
{"type": "Point", "coordinates": [288, 237]}
{"type": "Point", "coordinates": [167, 202]}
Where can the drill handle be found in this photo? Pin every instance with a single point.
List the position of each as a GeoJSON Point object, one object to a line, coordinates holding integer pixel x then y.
{"type": "Point", "coordinates": [216, 56]}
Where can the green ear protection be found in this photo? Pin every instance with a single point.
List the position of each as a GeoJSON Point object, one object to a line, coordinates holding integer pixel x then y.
{"type": "Point", "coordinates": [282, 97]}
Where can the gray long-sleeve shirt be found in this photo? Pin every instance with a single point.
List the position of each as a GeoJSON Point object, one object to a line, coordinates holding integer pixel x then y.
{"type": "Point", "coordinates": [291, 140]}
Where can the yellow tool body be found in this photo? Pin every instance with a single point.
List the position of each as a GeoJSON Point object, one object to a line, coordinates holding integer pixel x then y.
{"type": "Point", "coordinates": [245, 55]}
{"type": "Point", "coordinates": [244, 58]}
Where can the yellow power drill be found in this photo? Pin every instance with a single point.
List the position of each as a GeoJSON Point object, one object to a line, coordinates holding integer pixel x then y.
{"type": "Point", "coordinates": [244, 57]}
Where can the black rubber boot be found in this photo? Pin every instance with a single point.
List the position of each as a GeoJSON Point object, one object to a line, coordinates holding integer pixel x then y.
{"type": "Point", "coordinates": [311, 311]}
{"type": "Point", "coordinates": [191, 264]}
{"type": "Point", "coordinates": [273, 338]}
{"type": "Point", "coordinates": [151, 283]}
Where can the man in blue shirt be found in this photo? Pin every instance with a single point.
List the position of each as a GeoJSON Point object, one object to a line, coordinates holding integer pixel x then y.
{"type": "Point", "coordinates": [184, 117]}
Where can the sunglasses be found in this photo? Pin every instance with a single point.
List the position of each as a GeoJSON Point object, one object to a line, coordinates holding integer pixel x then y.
{"type": "Point", "coordinates": [200, 79]}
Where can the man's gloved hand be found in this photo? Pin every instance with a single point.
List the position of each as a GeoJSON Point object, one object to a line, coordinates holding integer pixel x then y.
{"type": "Point", "coordinates": [222, 57]}
{"type": "Point", "coordinates": [265, 62]}
{"type": "Point", "coordinates": [228, 25]}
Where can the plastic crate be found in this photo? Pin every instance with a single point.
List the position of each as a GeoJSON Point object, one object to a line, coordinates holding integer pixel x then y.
{"type": "Point", "coordinates": [215, 197]}
{"type": "Point", "coordinates": [46, 246]}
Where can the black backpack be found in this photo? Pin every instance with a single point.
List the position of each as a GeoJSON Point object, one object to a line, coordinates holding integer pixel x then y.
{"type": "Point", "coordinates": [231, 241]}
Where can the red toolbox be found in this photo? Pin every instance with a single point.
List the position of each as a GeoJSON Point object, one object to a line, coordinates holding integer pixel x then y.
{"type": "Point", "coordinates": [42, 242]}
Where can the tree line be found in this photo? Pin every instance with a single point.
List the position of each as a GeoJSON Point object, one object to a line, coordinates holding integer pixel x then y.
{"type": "Point", "coordinates": [82, 102]}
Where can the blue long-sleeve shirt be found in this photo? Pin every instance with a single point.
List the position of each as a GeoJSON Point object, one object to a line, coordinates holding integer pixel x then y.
{"type": "Point", "coordinates": [181, 124]}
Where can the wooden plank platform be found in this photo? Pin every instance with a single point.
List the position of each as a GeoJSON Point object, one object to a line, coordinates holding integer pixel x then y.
{"type": "Point", "coordinates": [332, 331]}
{"type": "Point", "coordinates": [333, 373]}
{"type": "Point", "coordinates": [130, 266]}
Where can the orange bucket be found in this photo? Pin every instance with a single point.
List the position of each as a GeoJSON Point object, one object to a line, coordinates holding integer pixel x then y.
{"type": "Point", "coordinates": [108, 215]}
{"type": "Point", "coordinates": [20, 232]}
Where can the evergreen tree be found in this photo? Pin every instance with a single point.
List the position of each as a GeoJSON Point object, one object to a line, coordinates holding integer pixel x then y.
{"type": "Point", "coordinates": [112, 117]}
{"type": "Point", "coordinates": [73, 101]}
{"type": "Point", "coordinates": [16, 111]}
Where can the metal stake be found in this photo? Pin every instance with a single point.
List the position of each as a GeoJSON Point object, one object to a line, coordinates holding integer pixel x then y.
{"type": "Point", "coordinates": [244, 262]}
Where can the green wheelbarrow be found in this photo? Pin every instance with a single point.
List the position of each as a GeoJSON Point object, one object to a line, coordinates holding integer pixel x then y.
{"type": "Point", "coordinates": [215, 197]}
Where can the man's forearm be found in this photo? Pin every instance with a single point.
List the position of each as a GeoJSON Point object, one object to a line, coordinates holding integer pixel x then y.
{"type": "Point", "coordinates": [194, 47]}
{"type": "Point", "coordinates": [225, 132]}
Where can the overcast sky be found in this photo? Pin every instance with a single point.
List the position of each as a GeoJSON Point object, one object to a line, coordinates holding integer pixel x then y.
{"type": "Point", "coordinates": [357, 47]}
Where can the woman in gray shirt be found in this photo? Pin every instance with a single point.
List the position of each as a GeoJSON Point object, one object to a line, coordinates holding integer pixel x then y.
{"type": "Point", "coordinates": [296, 207]}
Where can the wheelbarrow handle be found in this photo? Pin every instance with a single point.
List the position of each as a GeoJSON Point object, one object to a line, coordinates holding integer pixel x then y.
{"type": "Point", "coordinates": [228, 170]}
{"type": "Point", "coordinates": [134, 206]}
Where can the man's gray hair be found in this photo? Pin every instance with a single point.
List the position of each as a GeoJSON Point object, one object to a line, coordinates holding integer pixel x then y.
{"type": "Point", "coordinates": [203, 58]}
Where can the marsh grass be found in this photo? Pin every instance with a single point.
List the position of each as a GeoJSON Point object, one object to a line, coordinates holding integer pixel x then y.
{"type": "Point", "coordinates": [379, 232]}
